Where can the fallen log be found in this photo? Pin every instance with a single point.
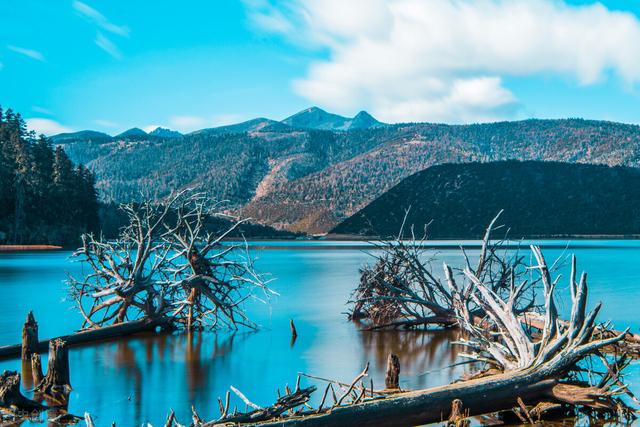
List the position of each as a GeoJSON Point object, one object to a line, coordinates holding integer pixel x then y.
{"type": "Point", "coordinates": [93, 335]}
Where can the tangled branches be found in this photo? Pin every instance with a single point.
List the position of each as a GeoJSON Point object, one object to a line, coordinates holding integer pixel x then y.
{"type": "Point", "coordinates": [167, 263]}
{"type": "Point", "coordinates": [507, 344]}
{"type": "Point", "coordinates": [402, 289]}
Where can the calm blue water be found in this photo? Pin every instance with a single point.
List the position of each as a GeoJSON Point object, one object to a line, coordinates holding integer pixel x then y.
{"type": "Point", "coordinates": [140, 379]}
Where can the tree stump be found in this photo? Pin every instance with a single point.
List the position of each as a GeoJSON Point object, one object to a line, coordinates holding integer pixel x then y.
{"type": "Point", "coordinates": [56, 382]}
{"type": "Point", "coordinates": [36, 369]}
{"type": "Point", "coordinates": [29, 337]}
{"type": "Point", "coordinates": [392, 379]}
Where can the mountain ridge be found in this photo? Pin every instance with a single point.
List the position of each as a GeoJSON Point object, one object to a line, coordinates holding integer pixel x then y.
{"type": "Point", "coordinates": [310, 180]}
{"type": "Point", "coordinates": [323, 121]}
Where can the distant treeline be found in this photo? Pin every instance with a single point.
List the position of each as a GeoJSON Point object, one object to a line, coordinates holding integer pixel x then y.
{"type": "Point", "coordinates": [44, 197]}
{"type": "Point", "coordinates": [539, 199]}
{"type": "Point", "coordinates": [112, 219]}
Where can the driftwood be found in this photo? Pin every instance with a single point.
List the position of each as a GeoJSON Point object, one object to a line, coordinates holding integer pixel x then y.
{"type": "Point", "coordinates": [12, 400]}
{"type": "Point", "coordinates": [93, 335]}
{"type": "Point", "coordinates": [526, 366]}
{"type": "Point", "coordinates": [283, 404]}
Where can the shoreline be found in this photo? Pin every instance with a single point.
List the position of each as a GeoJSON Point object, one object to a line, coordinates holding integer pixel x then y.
{"type": "Point", "coordinates": [27, 248]}
{"type": "Point", "coordinates": [356, 237]}
{"type": "Point", "coordinates": [360, 241]}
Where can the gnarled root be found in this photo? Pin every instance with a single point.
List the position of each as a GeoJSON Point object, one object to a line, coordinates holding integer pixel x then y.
{"type": "Point", "coordinates": [12, 400]}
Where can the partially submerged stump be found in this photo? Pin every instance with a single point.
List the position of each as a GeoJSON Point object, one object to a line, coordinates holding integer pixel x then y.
{"type": "Point", "coordinates": [29, 337]}
{"type": "Point", "coordinates": [56, 383]}
{"type": "Point", "coordinates": [392, 378]}
{"type": "Point", "coordinates": [36, 369]}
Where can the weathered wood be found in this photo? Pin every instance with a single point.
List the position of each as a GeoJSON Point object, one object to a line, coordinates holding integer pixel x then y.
{"type": "Point", "coordinates": [458, 416]}
{"type": "Point", "coordinates": [12, 399]}
{"type": "Point", "coordinates": [57, 381]}
{"type": "Point", "coordinates": [532, 366]}
{"type": "Point", "coordinates": [88, 420]}
{"type": "Point", "coordinates": [485, 395]}
{"type": "Point", "coordinates": [289, 401]}
{"type": "Point", "coordinates": [392, 378]}
{"type": "Point", "coordinates": [29, 337]}
{"type": "Point", "coordinates": [93, 335]}
{"type": "Point", "coordinates": [36, 368]}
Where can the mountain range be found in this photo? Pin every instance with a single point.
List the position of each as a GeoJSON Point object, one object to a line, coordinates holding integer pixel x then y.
{"type": "Point", "coordinates": [314, 169]}
{"type": "Point", "coordinates": [310, 118]}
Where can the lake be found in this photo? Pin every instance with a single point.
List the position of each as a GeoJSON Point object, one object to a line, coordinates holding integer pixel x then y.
{"type": "Point", "coordinates": [140, 379]}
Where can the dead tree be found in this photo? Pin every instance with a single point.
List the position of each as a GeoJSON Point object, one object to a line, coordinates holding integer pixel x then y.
{"type": "Point", "coordinates": [167, 265]}
{"type": "Point", "coordinates": [123, 279]}
{"type": "Point", "coordinates": [403, 290]}
{"type": "Point", "coordinates": [210, 277]}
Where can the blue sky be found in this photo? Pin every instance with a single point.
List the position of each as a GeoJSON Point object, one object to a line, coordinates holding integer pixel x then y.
{"type": "Point", "coordinates": [110, 64]}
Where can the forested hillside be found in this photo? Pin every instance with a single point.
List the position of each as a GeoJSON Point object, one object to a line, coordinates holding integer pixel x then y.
{"type": "Point", "coordinates": [538, 198]}
{"type": "Point", "coordinates": [44, 197]}
{"type": "Point", "coordinates": [309, 180]}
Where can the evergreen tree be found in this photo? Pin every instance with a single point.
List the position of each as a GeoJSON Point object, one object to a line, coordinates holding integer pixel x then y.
{"type": "Point", "coordinates": [44, 198]}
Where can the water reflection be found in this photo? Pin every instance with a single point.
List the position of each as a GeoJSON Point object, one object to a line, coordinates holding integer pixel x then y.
{"type": "Point", "coordinates": [140, 379]}
{"type": "Point", "coordinates": [425, 356]}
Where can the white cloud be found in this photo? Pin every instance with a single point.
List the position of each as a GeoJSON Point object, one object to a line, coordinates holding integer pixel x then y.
{"type": "Point", "coordinates": [103, 25]}
{"type": "Point", "coordinates": [30, 53]}
{"type": "Point", "coordinates": [447, 59]}
{"type": "Point", "coordinates": [99, 19]}
{"type": "Point", "coordinates": [266, 17]}
{"type": "Point", "coordinates": [46, 126]}
{"type": "Point", "coordinates": [108, 46]}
